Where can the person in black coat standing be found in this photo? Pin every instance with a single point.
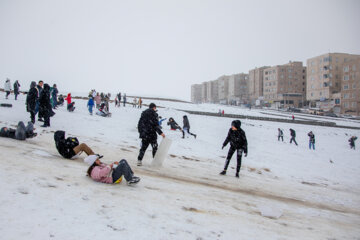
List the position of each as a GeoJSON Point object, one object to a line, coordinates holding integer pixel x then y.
{"type": "Point", "coordinates": [238, 142]}
{"type": "Point", "coordinates": [148, 128]}
{"type": "Point", "coordinates": [45, 108]}
{"type": "Point", "coordinates": [293, 135]}
{"type": "Point", "coordinates": [186, 127]}
{"type": "Point", "coordinates": [16, 89]}
{"type": "Point", "coordinates": [31, 99]}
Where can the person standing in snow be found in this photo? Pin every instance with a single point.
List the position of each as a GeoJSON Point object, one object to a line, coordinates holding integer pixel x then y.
{"type": "Point", "coordinates": [45, 108]}
{"type": "Point", "coordinates": [311, 140]}
{"type": "Point", "coordinates": [135, 102]}
{"type": "Point", "coordinates": [140, 103]}
{"type": "Point", "coordinates": [90, 105]}
{"type": "Point", "coordinates": [39, 89]}
{"type": "Point", "coordinates": [293, 135]}
{"type": "Point", "coordinates": [7, 88]}
{"type": "Point", "coordinates": [148, 126]}
{"type": "Point", "coordinates": [352, 142]}
{"type": "Point", "coordinates": [280, 135]}
{"type": "Point", "coordinates": [124, 98]}
{"type": "Point", "coordinates": [238, 142]}
{"type": "Point", "coordinates": [97, 100]}
{"type": "Point", "coordinates": [31, 99]}
{"type": "Point", "coordinates": [54, 92]}
{"type": "Point", "coordinates": [108, 173]}
{"type": "Point", "coordinates": [186, 127]}
{"type": "Point", "coordinates": [16, 89]}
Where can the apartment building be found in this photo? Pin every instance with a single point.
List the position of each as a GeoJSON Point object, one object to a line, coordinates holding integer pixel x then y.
{"type": "Point", "coordinates": [256, 84]}
{"type": "Point", "coordinates": [196, 93]}
{"type": "Point", "coordinates": [212, 92]}
{"type": "Point", "coordinates": [223, 89]}
{"type": "Point", "coordinates": [285, 85]}
{"type": "Point", "coordinates": [238, 89]}
{"type": "Point", "coordinates": [204, 96]}
{"type": "Point", "coordinates": [324, 78]}
{"type": "Point", "coordinates": [350, 87]}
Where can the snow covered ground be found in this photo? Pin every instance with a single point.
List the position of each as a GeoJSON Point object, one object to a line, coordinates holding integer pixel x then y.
{"type": "Point", "coordinates": [284, 191]}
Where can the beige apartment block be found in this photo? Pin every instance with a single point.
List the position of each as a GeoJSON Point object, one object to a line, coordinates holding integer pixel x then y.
{"type": "Point", "coordinates": [238, 89]}
{"type": "Point", "coordinates": [285, 85]}
{"type": "Point", "coordinates": [256, 84]}
{"type": "Point", "coordinates": [350, 87]}
{"type": "Point", "coordinates": [212, 92]}
{"type": "Point", "coordinates": [223, 89]}
{"type": "Point", "coordinates": [204, 96]}
{"type": "Point", "coordinates": [324, 77]}
{"type": "Point", "coordinates": [196, 93]}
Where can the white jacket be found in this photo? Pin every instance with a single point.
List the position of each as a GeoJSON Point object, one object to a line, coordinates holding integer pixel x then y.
{"type": "Point", "coordinates": [7, 86]}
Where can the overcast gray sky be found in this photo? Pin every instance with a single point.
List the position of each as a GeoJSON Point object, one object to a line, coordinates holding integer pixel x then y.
{"type": "Point", "coordinates": [162, 47]}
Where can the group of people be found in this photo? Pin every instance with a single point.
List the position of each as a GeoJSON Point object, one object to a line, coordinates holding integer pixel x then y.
{"type": "Point", "coordinates": [8, 89]}
{"type": "Point", "coordinates": [100, 102]}
{"type": "Point", "coordinates": [174, 126]}
{"type": "Point", "coordinates": [137, 103]}
{"type": "Point", "coordinates": [118, 98]}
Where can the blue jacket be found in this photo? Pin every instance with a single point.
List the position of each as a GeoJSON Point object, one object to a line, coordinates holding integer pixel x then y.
{"type": "Point", "coordinates": [91, 102]}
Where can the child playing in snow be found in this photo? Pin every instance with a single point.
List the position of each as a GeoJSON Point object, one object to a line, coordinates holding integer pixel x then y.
{"type": "Point", "coordinates": [352, 142]}
{"type": "Point", "coordinates": [90, 105]}
{"type": "Point", "coordinates": [237, 138]}
{"type": "Point", "coordinates": [108, 173]}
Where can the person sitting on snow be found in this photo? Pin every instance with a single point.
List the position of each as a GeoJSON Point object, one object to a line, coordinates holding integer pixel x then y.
{"type": "Point", "coordinates": [20, 133]}
{"type": "Point", "coordinates": [70, 146]}
{"type": "Point", "coordinates": [108, 173]}
{"type": "Point", "coordinates": [103, 111]}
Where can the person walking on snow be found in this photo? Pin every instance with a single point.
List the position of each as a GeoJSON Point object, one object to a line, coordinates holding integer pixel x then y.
{"type": "Point", "coordinates": [108, 173]}
{"type": "Point", "coordinates": [293, 135]}
{"type": "Point", "coordinates": [148, 128]}
{"type": "Point", "coordinates": [280, 135]}
{"type": "Point", "coordinates": [311, 140]}
{"type": "Point", "coordinates": [16, 89]}
{"type": "Point", "coordinates": [186, 127]}
{"type": "Point", "coordinates": [7, 88]}
{"type": "Point", "coordinates": [90, 105]}
{"type": "Point", "coordinates": [352, 142]}
{"type": "Point", "coordinates": [238, 142]}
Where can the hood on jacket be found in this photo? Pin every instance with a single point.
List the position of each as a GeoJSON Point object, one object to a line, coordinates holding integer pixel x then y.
{"type": "Point", "coordinates": [236, 123]}
{"type": "Point", "coordinates": [58, 136]}
{"type": "Point", "coordinates": [46, 87]}
{"type": "Point", "coordinates": [32, 84]}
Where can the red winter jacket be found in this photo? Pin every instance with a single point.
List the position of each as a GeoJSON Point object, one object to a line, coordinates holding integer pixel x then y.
{"type": "Point", "coordinates": [68, 98]}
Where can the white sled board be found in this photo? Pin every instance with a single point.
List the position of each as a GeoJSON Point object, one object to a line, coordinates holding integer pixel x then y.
{"type": "Point", "coordinates": [162, 152]}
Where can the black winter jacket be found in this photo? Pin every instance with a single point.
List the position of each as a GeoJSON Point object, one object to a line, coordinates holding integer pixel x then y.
{"type": "Point", "coordinates": [186, 123]}
{"type": "Point", "coordinates": [45, 108]}
{"type": "Point", "coordinates": [237, 139]}
{"type": "Point", "coordinates": [173, 124]}
{"type": "Point", "coordinates": [292, 132]}
{"type": "Point", "coordinates": [148, 125]}
{"type": "Point", "coordinates": [31, 99]}
{"type": "Point", "coordinates": [311, 137]}
{"type": "Point", "coordinates": [65, 146]}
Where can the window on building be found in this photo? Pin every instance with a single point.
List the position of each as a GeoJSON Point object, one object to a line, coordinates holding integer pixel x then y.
{"type": "Point", "coordinates": [325, 84]}
{"type": "Point", "coordinates": [353, 104]}
{"type": "Point", "coordinates": [336, 84]}
{"type": "Point", "coordinates": [290, 76]}
{"type": "Point", "coordinates": [312, 78]}
{"type": "Point", "coordinates": [346, 104]}
{"type": "Point", "coordinates": [330, 75]}
{"type": "Point", "coordinates": [346, 77]}
{"type": "Point", "coordinates": [289, 70]}
{"type": "Point", "coordinates": [346, 96]}
{"type": "Point", "coordinates": [312, 63]}
{"type": "Point", "coordinates": [303, 83]}
{"type": "Point", "coordinates": [346, 87]}
{"type": "Point", "coordinates": [346, 69]}
{"type": "Point", "coordinates": [330, 67]}
{"type": "Point", "coordinates": [312, 70]}
{"type": "Point", "coordinates": [353, 95]}
{"type": "Point", "coordinates": [353, 76]}
{"type": "Point", "coordinates": [336, 59]}
{"type": "Point", "coordinates": [312, 94]}
{"type": "Point", "coordinates": [303, 89]}
{"type": "Point", "coordinates": [330, 84]}
{"type": "Point", "coordinates": [354, 85]}
{"type": "Point", "coordinates": [320, 93]}
{"type": "Point", "coordinates": [326, 75]}
{"type": "Point", "coordinates": [354, 67]}
{"type": "Point", "coordinates": [337, 101]}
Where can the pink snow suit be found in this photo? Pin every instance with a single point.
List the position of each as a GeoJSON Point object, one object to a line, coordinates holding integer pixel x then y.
{"type": "Point", "coordinates": [102, 174]}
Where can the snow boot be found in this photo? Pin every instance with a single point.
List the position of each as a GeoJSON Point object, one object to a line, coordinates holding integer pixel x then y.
{"type": "Point", "coordinates": [134, 180]}
{"type": "Point", "coordinates": [237, 175]}
{"type": "Point", "coordinates": [139, 163]}
{"type": "Point", "coordinates": [223, 172]}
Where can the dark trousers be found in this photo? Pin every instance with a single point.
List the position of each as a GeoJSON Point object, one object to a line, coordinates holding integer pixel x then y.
{"type": "Point", "coordinates": [144, 145]}
{"type": "Point", "coordinates": [238, 158]}
{"type": "Point", "coordinates": [123, 169]}
{"type": "Point", "coordinates": [32, 116]}
{"type": "Point", "coordinates": [282, 138]}
{"type": "Point", "coordinates": [46, 119]}
{"type": "Point", "coordinates": [7, 94]}
{"type": "Point", "coordinates": [293, 139]}
{"type": "Point", "coordinates": [16, 94]}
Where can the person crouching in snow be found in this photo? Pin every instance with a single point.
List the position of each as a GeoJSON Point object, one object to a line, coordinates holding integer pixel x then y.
{"type": "Point", "coordinates": [237, 138]}
{"type": "Point", "coordinates": [90, 105]}
{"type": "Point", "coordinates": [108, 173]}
{"type": "Point", "coordinates": [20, 133]}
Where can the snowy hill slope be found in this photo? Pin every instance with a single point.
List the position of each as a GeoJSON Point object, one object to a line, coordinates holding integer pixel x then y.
{"type": "Point", "coordinates": [284, 191]}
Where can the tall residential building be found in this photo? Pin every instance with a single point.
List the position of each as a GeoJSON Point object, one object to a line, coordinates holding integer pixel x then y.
{"type": "Point", "coordinates": [223, 89]}
{"type": "Point", "coordinates": [350, 87]}
{"type": "Point", "coordinates": [212, 92]}
{"type": "Point", "coordinates": [196, 93]}
{"type": "Point", "coordinates": [324, 75]}
{"type": "Point", "coordinates": [285, 85]}
{"type": "Point", "coordinates": [204, 96]}
{"type": "Point", "coordinates": [255, 84]}
{"type": "Point", "coordinates": [238, 89]}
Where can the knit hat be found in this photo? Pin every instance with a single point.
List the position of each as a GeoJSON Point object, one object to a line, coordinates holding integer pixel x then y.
{"type": "Point", "coordinates": [91, 159]}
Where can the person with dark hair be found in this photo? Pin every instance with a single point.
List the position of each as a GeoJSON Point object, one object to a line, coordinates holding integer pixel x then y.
{"type": "Point", "coordinates": [31, 100]}
{"type": "Point", "coordinates": [20, 133]}
{"type": "Point", "coordinates": [110, 173]}
{"type": "Point", "coordinates": [280, 135]}
{"type": "Point", "coordinates": [311, 140]}
{"type": "Point", "coordinates": [39, 89]}
{"type": "Point", "coordinates": [186, 127]}
{"type": "Point", "coordinates": [124, 99]}
{"type": "Point", "coordinates": [293, 135]}
{"type": "Point", "coordinates": [352, 142]}
{"type": "Point", "coordinates": [238, 142]}
{"type": "Point", "coordinates": [148, 126]}
{"type": "Point", "coordinates": [7, 88]}
{"type": "Point", "coordinates": [54, 91]}
{"type": "Point", "coordinates": [16, 89]}
{"type": "Point", "coordinates": [45, 108]}
{"type": "Point", "coordinates": [69, 147]}
{"type": "Point", "coordinates": [173, 125]}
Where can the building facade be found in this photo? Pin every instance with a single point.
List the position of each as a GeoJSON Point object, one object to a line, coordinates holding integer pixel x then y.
{"type": "Point", "coordinates": [196, 93]}
{"type": "Point", "coordinates": [223, 89]}
{"type": "Point", "coordinates": [256, 84]}
{"type": "Point", "coordinates": [238, 89]}
{"type": "Point", "coordinates": [324, 78]}
{"type": "Point", "coordinates": [285, 85]}
{"type": "Point", "coordinates": [350, 87]}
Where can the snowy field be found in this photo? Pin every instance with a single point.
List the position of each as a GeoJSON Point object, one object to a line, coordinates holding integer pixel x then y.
{"type": "Point", "coordinates": [284, 191]}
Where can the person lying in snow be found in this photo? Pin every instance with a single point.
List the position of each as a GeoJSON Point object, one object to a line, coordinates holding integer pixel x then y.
{"type": "Point", "coordinates": [20, 133]}
{"type": "Point", "coordinates": [103, 111]}
{"type": "Point", "coordinates": [70, 146]}
{"type": "Point", "coordinates": [109, 173]}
